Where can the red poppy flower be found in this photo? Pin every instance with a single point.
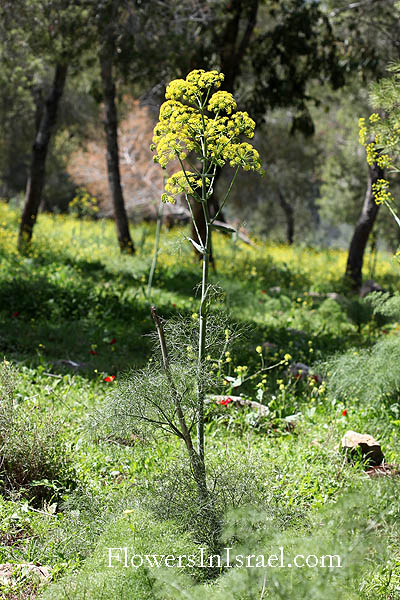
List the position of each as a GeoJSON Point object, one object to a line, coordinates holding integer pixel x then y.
{"type": "Point", "coordinates": [15, 314]}
{"type": "Point", "coordinates": [93, 352]}
{"type": "Point", "coordinates": [113, 340]}
{"type": "Point", "coordinates": [174, 305]}
{"type": "Point", "coordinates": [109, 378]}
{"type": "Point", "coordinates": [344, 413]}
{"type": "Point", "coordinates": [225, 401]}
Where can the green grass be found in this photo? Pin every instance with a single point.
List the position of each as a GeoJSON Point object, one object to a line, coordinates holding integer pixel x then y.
{"type": "Point", "coordinates": [74, 298]}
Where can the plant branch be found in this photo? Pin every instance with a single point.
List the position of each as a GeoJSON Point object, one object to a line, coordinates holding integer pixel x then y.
{"type": "Point", "coordinates": [166, 365]}
{"type": "Point", "coordinates": [226, 195]}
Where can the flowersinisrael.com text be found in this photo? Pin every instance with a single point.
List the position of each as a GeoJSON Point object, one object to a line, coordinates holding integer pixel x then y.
{"type": "Point", "coordinates": [127, 558]}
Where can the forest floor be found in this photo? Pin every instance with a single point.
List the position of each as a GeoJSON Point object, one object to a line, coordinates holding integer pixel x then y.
{"type": "Point", "coordinates": [74, 319]}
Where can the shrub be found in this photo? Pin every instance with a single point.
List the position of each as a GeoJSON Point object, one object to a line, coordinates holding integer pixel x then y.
{"type": "Point", "coordinates": [370, 377]}
{"type": "Point", "coordinates": [34, 459]}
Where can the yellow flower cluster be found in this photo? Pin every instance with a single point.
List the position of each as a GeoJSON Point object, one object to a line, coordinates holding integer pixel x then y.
{"type": "Point", "coordinates": [177, 133]}
{"type": "Point", "coordinates": [372, 154]}
{"type": "Point", "coordinates": [222, 101]}
{"type": "Point", "coordinates": [181, 183]}
{"type": "Point", "coordinates": [381, 192]}
{"type": "Point", "coordinates": [186, 125]}
{"type": "Point", "coordinates": [191, 88]}
{"type": "Point", "coordinates": [374, 118]}
{"type": "Point", "coordinates": [384, 161]}
{"type": "Point", "coordinates": [362, 131]}
{"type": "Point", "coordinates": [84, 204]}
{"type": "Point", "coordinates": [245, 156]}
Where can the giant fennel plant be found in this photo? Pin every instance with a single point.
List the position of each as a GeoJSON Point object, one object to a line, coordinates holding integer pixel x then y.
{"type": "Point", "coordinates": [200, 126]}
{"type": "Point", "coordinates": [380, 135]}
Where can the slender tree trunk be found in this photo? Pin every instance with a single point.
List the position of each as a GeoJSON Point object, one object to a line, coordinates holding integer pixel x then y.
{"type": "Point", "coordinates": [289, 214]}
{"type": "Point", "coordinates": [111, 129]}
{"type": "Point", "coordinates": [232, 46]}
{"type": "Point", "coordinates": [36, 177]}
{"type": "Point", "coordinates": [362, 230]}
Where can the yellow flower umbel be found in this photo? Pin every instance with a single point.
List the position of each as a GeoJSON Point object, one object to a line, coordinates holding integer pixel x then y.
{"type": "Point", "coordinates": [181, 183]}
{"type": "Point", "coordinates": [195, 118]}
{"type": "Point", "coordinates": [381, 192]}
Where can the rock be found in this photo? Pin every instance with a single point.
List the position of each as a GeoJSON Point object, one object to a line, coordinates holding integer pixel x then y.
{"type": "Point", "coordinates": [10, 570]}
{"type": "Point", "coordinates": [370, 449]}
{"type": "Point", "coordinates": [70, 363]}
{"type": "Point", "coordinates": [314, 294]}
{"type": "Point", "coordinates": [383, 471]}
{"type": "Point", "coordinates": [370, 286]}
{"type": "Point", "coordinates": [296, 331]}
{"type": "Point", "coordinates": [332, 295]}
{"type": "Point", "coordinates": [301, 371]}
{"type": "Point", "coordinates": [335, 296]}
{"type": "Point", "coordinates": [275, 290]}
{"type": "Point", "coordinates": [270, 346]}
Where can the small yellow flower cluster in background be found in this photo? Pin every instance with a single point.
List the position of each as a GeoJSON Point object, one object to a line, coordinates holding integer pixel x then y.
{"type": "Point", "coordinates": [84, 204]}
{"type": "Point", "coordinates": [362, 131]}
{"type": "Point", "coordinates": [372, 154]}
{"type": "Point", "coordinates": [381, 192]}
{"type": "Point", "coordinates": [384, 161]}
{"type": "Point", "coordinates": [374, 118]}
{"type": "Point", "coordinates": [241, 370]}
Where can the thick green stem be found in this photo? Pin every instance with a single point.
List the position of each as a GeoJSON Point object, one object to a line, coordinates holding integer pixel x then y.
{"type": "Point", "coordinates": [203, 319]}
{"type": "Point", "coordinates": [226, 195]}
{"type": "Point", "coordinates": [197, 462]}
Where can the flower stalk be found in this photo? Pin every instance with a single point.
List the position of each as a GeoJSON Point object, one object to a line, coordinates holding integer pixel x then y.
{"type": "Point", "coordinates": [156, 248]}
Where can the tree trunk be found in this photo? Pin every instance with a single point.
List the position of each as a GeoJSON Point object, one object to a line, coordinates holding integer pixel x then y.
{"type": "Point", "coordinates": [36, 177]}
{"type": "Point", "coordinates": [289, 214]}
{"type": "Point", "coordinates": [232, 49]}
{"type": "Point", "coordinates": [111, 129]}
{"type": "Point", "coordinates": [198, 215]}
{"type": "Point", "coordinates": [362, 230]}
